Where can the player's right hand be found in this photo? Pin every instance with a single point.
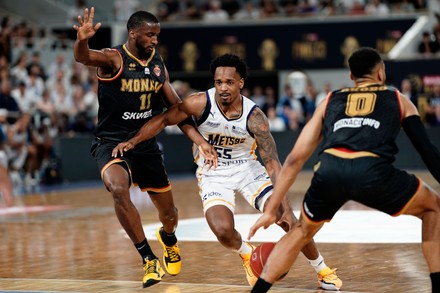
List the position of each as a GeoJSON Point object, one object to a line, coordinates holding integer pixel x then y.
{"type": "Point", "coordinates": [85, 30]}
{"type": "Point", "coordinates": [121, 148]}
{"type": "Point", "coordinates": [264, 221]}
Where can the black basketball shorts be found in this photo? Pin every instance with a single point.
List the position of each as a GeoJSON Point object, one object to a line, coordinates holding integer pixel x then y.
{"type": "Point", "coordinates": [371, 181]}
{"type": "Point", "coordinates": [145, 164]}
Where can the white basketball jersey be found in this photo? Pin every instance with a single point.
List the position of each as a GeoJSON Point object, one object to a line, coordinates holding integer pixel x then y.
{"type": "Point", "coordinates": [230, 137]}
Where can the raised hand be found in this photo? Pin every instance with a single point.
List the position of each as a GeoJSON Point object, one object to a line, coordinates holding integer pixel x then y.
{"type": "Point", "coordinates": [121, 148]}
{"type": "Point", "coordinates": [85, 30]}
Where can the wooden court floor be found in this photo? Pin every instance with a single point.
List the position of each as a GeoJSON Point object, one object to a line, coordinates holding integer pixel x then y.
{"type": "Point", "coordinates": [78, 246]}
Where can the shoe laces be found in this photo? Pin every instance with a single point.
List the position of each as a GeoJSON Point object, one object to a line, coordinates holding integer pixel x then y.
{"type": "Point", "coordinates": [150, 267]}
{"type": "Point", "coordinates": [173, 252]}
{"type": "Point", "coordinates": [330, 274]}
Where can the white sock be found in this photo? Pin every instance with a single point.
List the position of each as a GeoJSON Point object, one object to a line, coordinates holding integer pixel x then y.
{"type": "Point", "coordinates": [245, 248]}
{"type": "Point", "coordinates": [318, 264]}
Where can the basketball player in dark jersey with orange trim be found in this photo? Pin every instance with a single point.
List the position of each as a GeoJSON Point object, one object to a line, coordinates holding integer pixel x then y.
{"type": "Point", "coordinates": [134, 86]}
{"type": "Point", "coordinates": [358, 128]}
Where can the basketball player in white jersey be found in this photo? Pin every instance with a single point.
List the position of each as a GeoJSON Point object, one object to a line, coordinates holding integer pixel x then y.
{"type": "Point", "coordinates": [235, 126]}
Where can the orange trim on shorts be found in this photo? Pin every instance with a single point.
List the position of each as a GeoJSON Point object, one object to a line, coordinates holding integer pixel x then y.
{"type": "Point", "coordinates": [114, 161]}
{"type": "Point", "coordinates": [405, 207]}
{"type": "Point", "coordinates": [157, 190]}
{"type": "Point", "coordinates": [349, 154]}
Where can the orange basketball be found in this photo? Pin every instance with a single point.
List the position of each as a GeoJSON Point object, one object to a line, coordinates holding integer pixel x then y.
{"type": "Point", "coordinates": [259, 257]}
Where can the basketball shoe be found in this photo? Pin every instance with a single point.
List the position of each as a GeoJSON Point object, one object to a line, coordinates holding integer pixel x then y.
{"type": "Point", "coordinates": [247, 267]}
{"type": "Point", "coordinates": [328, 280]}
{"type": "Point", "coordinates": [171, 255]}
{"type": "Point", "coordinates": [153, 272]}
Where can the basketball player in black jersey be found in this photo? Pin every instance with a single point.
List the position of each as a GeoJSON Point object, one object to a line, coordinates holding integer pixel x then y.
{"type": "Point", "coordinates": [133, 87]}
{"type": "Point", "coordinates": [358, 127]}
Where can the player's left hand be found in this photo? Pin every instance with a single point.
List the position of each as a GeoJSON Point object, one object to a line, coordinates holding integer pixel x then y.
{"type": "Point", "coordinates": [210, 155]}
{"type": "Point", "coordinates": [264, 221]}
{"type": "Point", "coordinates": [121, 148]}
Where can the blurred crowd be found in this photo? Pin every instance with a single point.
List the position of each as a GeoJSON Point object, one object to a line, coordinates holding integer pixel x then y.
{"type": "Point", "coordinates": [225, 10]}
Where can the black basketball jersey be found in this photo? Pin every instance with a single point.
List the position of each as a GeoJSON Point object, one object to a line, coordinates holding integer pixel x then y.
{"type": "Point", "coordinates": [364, 118]}
{"type": "Point", "coordinates": [130, 98]}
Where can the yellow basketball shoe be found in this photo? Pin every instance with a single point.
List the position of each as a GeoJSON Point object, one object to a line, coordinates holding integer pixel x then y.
{"type": "Point", "coordinates": [328, 280]}
{"type": "Point", "coordinates": [153, 272]}
{"type": "Point", "coordinates": [247, 267]}
{"type": "Point", "coordinates": [171, 255]}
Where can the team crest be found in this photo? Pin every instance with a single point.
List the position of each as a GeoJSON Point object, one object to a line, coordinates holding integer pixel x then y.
{"type": "Point", "coordinates": [157, 70]}
{"type": "Point", "coordinates": [147, 70]}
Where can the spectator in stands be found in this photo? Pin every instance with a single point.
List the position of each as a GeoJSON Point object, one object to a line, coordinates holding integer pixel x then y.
{"type": "Point", "coordinates": [427, 45]}
{"type": "Point", "coordinates": [5, 38]}
{"type": "Point", "coordinates": [258, 96]}
{"type": "Point", "coordinates": [34, 83]}
{"type": "Point", "coordinates": [18, 70]}
{"type": "Point", "coordinates": [276, 123]}
{"type": "Point", "coordinates": [167, 10]}
{"type": "Point", "coordinates": [36, 62]}
{"type": "Point", "coordinates": [8, 102]}
{"type": "Point", "coordinates": [407, 89]}
{"type": "Point", "coordinates": [122, 9]}
{"type": "Point", "coordinates": [25, 99]}
{"type": "Point", "coordinates": [433, 109]}
{"type": "Point", "coordinates": [247, 11]}
{"type": "Point", "coordinates": [191, 11]}
{"type": "Point", "coordinates": [376, 7]}
{"type": "Point", "coordinates": [289, 8]}
{"type": "Point", "coordinates": [215, 13]}
{"type": "Point", "coordinates": [268, 9]}
{"type": "Point", "coordinates": [290, 109]}
{"type": "Point", "coordinates": [231, 7]}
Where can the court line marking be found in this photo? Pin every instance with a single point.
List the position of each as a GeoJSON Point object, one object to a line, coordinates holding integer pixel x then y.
{"type": "Point", "coordinates": [346, 227]}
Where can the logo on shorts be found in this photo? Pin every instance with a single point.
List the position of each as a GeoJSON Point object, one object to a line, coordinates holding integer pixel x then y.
{"type": "Point", "coordinates": [211, 194]}
{"type": "Point", "coordinates": [261, 176]}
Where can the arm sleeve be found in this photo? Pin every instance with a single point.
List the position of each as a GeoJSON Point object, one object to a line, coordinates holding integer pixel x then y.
{"type": "Point", "coordinates": [416, 132]}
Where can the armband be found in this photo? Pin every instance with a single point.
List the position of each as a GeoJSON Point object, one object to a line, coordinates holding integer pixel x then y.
{"type": "Point", "coordinates": [416, 132]}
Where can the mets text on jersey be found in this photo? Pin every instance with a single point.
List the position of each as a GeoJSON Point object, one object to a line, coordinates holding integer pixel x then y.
{"type": "Point", "coordinates": [223, 140]}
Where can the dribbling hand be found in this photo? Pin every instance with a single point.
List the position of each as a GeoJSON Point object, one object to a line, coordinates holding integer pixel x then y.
{"type": "Point", "coordinates": [265, 220]}
{"type": "Point", "coordinates": [85, 30]}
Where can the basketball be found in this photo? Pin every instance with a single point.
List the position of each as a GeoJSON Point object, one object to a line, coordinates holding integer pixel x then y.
{"type": "Point", "coordinates": [259, 257]}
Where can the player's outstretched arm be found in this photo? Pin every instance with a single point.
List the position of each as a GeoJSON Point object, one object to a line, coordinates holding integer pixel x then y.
{"type": "Point", "coordinates": [85, 29]}
{"type": "Point", "coordinates": [416, 131]}
{"type": "Point", "coordinates": [304, 147]}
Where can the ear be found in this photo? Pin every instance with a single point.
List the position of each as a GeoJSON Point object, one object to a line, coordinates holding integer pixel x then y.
{"type": "Point", "coordinates": [351, 76]}
{"type": "Point", "coordinates": [241, 83]}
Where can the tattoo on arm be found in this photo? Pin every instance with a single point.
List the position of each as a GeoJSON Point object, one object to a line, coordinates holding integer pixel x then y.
{"type": "Point", "coordinates": [259, 126]}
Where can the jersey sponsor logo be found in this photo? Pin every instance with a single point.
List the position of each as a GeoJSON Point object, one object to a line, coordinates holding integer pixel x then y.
{"type": "Point", "coordinates": [157, 70]}
{"type": "Point", "coordinates": [131, 67]}
{"type": "Point", "coordinates": [137, 115]}
{"type": "Point", "coordinates": [238, 130]}
{"type": "Point", "coordinates": [355, 123]}
{"type": "Point", "coordinates": [136, 85]}
{"type": "Point", "coordinates": [223, 140]}
{"type": "Point", "coordinates": [212, 124]}
{"type": "Point", "coordinates": [147, 70]}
